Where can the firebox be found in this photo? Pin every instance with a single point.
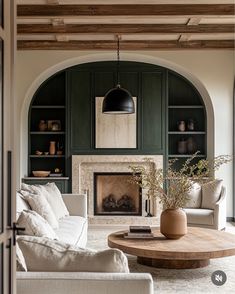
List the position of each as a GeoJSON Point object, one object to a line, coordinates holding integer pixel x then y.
{"type": "Point", "coordinates": [115, 194]}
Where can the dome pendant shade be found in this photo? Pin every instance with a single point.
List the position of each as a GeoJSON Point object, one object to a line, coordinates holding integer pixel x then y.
{"type": "Point", "coordinates": [118, 101]}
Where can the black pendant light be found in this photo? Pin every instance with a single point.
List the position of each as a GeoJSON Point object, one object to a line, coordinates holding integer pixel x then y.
{"type": "Point", "coordinates": [118, 100]}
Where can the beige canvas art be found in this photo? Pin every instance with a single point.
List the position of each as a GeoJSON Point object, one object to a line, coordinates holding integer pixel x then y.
{"type": "Point", "coordinates": [115, 131]}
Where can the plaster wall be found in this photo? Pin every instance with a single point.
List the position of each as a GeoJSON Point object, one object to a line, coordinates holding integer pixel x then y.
{"type": "Point", "coordinates": [211, 71]}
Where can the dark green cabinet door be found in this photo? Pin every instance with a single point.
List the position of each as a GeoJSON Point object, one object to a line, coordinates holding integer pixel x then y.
{"type": "Point", "coordinates": [80, 105]}
{"type": "Point", "coordinates": [152, 112]}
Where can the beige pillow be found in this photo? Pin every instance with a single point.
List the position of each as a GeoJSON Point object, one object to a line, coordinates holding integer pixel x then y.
{"type": "Point", "coordinates": [211, 193]}
{"type": "Point", "coordinates": [39, 204]}
{"type": "Point", "coordinates": [194, 196]}
{"type": "Point", "coordinates": [20, 261]}
{"type": "Point", "coordinates": [35, 225]}
{"type": "Point", "coordinates": [42, 254]}
{"type": "Point", "coordinates": [53, 196]}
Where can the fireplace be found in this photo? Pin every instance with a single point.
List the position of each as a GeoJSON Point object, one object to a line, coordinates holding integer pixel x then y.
{"type": "Point", "coordinates": [114, 194]}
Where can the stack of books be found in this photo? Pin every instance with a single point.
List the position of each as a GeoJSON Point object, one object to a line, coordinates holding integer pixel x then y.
{"type": "Point", "coordinates": [139, 232]}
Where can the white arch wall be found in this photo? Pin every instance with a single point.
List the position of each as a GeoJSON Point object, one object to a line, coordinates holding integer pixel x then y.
{"type": "Point", "coordinates": [212, 72]}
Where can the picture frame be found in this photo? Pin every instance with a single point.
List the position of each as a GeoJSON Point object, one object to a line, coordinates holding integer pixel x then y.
{"type": "Point", "coordinates": [54, 125]}
{"type": "Point", "coordinates": [115, 131]}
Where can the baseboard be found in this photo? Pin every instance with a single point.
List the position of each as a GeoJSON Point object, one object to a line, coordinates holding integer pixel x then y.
{"type": "Point", "coordinates": [230, 219]}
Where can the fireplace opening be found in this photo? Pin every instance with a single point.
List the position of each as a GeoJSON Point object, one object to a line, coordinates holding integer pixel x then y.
{"type": "Point", "coordinates": [114, 194]}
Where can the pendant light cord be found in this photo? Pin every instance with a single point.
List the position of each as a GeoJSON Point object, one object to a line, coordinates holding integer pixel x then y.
{"type": "Point", "coordinates": [118, 60]}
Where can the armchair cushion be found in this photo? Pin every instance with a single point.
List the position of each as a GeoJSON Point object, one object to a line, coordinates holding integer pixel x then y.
{"type": "Point", "coordinates": [200, 216]}
{"type": "Point", "coordinates": [211, 193]}
{"type": "Point", "coordinates": [194, 196]}
{"type": "Point", "coordinates": [42, 254]}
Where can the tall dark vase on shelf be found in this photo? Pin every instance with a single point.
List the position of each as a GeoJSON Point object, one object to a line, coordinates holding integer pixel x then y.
{"type": "Point", "coordinates": [148, 208]}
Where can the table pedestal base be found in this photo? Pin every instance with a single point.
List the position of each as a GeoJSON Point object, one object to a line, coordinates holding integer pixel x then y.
{"type": "Point", "coordinates": [173, 264]}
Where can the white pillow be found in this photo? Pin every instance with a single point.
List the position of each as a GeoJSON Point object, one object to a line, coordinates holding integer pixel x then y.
{"type": "Point", "coordinates": [42, 254]}
{"type": "Point", "coordinates": [211, 193]}
{"type": "Point", "coordinates": [194, 196]}
{"type": "Point", "coordinates": [53, 196]}
{"type": "Point", "coordinates": [39, 204]}
{"type": "Point", "coordinates": [20, 261]}
{"type": "Point", "coordinates": [35, 225]}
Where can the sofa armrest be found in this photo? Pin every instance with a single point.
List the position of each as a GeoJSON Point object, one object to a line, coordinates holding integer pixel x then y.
{"type": "Point", "coordinates": [220, 211]}
{"type": "Point", "coordinates": [76, 204]}
{"type": "Point", "coordinates": [85, 283]}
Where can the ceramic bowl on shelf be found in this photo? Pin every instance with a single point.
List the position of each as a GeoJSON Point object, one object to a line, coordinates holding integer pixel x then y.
{"type": "Point", "coordinates": [41, 173]}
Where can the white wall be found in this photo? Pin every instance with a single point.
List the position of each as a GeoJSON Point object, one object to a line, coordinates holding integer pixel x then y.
{"type": "Point", "coordinates": [212, 72]}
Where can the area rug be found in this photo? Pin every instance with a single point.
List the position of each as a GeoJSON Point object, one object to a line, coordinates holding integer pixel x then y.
{"type": "Point", "coordinates": [175, 281]}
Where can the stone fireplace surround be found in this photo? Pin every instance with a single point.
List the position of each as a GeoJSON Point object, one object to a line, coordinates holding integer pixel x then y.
{"type": "Point", "coordinates": [83, 169]}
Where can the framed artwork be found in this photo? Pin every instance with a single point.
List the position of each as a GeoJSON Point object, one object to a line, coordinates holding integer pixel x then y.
{"type": "Point", "coordinates": [115, 131]}
{"type": "Point", "coordinates": [54, 125]}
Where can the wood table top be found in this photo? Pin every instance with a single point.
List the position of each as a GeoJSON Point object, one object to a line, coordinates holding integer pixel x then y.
{"type": "Point", "coordinates": [198, 243]}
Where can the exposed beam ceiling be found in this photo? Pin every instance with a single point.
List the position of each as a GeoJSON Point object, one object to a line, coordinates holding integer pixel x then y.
{"type": "Point", "coordinates": [93, 25]}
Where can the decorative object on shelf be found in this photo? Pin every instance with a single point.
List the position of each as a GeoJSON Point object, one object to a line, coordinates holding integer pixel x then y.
{"type": "Point", "coordinates": [118, 100]}
{"type": "Point", "coordinates": [190, 125]}
{"type": "Point", "coordinates": [181, 126]}
{"type": "Point", "coordinates": [42, 126]}
{"type": "Point", "coordinates": [148, 207]}
{"type": "Point", "coordinates": [54, 125]}
{"type": "Point", "coordinates": [59, 149]}
{"type": "Point", "coordinates": [178, 183]}
{"type": "Point", "coordinates": [41, 173]}
{"type": "Point", "coordinates": [57, 173]}
{"type": "Point", "coordinates": [46, 153]}
{"type": "Point", "coordinates": [191, 145]}
{"type": "Point", "coordinates": [38, 152]}
{"type": "Point", "coordinates": [52, 149]}
{"type": "Point", "coordinates": [182, 146]}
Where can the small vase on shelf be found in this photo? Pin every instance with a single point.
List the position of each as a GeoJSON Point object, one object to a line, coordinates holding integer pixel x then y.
{"type": "Point", "coordinates": [42, 126]}
{"type": "Point", "coordinates": [52, 148]}
{"type": "Point", "coordinates": [181, 126]}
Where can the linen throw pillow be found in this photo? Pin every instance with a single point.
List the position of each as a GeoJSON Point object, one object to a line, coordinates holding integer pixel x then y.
{"type": "Point", "coordinates": [20, 261]}
{"type": "Point", "coordinates": [39, 204]}
{"type": "Point", "coordinates": [35, 225]}
{"type": "Point", "coordinates": [194, 196]}
{"type": "Point", "coordinates": [210, 193]}
{"type": "Point", "coordinates": [42, 254]}
{"type": "Point", "coordinates": [53, 196]}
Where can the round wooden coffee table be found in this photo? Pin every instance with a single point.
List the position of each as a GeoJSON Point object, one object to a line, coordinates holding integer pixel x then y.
{"type": "Point", "coordinates": [194, 250]}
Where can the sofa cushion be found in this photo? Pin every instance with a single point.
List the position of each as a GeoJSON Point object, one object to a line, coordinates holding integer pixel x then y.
{"type": "Point", "coordinates": [53, 196]}
{"type": "Point", "coordinates": [35, 225]}
{"type": "Point", "coordinates": [42, 254]}
{"type": "Point", "coordinates": [39, 204]}
{"type": "Point", "coordinates": [211, 193]}
{"type": "Point", "coordinates": [21, 204]}
{"type": "Point", "coordinates": [71, 229]}
{"type": "Point", "coordinates": [194, 196]}
{"type": "Point", "coordinates": [20, 261]}
{"type": "Point", "coordinates": [200, 216]}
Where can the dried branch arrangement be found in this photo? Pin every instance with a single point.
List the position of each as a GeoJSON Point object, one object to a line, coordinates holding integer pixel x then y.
{"type": "Point", "coordinates": [172, 186]}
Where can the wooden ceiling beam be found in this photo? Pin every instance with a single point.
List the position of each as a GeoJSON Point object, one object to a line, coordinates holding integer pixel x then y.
{"type": "Point", "coordinates": [105, 10]}
{"type": "Point", "coordinates": [125, 45]}
{"type": "Point", "coordinates": [123, 28]}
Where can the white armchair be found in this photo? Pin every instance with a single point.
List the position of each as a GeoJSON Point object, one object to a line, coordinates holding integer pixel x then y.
{"type": "Point", "coordinates": [209, 218]}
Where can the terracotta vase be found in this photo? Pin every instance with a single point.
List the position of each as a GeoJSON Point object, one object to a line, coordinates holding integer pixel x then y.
{"type": "Point", "coordinates": [52, 148]}
{"type": "Point", "coordinates": [173, 223]}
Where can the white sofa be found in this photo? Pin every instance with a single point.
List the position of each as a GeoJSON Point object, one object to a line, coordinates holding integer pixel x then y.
{"type": "Point", "coordinates": [209, 218]}
{"type": "Point", "coordinates": [73, 230]}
